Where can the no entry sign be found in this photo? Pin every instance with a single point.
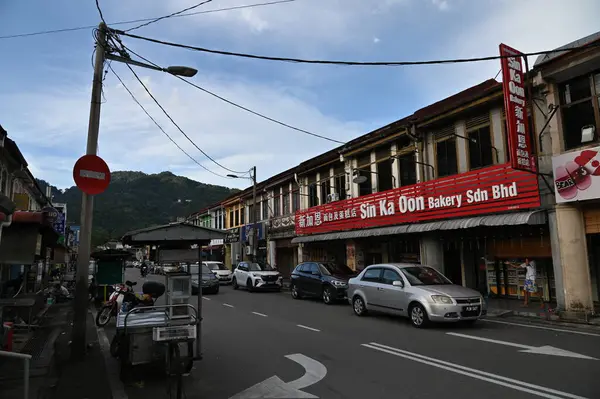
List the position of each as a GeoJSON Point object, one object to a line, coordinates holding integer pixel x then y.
{"type": "Point", "coordinates": [91, 174]}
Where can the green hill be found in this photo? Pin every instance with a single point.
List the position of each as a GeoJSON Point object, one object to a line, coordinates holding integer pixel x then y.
{"type": "Point", "coordinates": [136, 200]}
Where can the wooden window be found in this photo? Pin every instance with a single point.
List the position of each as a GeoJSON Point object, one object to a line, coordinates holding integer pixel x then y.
{"type": "Point", "coordinates": [580, 105]}
{"type": "Point", "coordinates": [446, 157]}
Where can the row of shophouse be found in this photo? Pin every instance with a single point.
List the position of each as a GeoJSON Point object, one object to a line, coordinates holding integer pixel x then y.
{"type": "Point", "coordinates": [448, 186]}
{"type": "Point", "coordinates": [34, 235]}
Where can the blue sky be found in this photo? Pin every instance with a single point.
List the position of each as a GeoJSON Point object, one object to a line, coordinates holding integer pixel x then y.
{"type": "Point", "coordinates": [45, 80]}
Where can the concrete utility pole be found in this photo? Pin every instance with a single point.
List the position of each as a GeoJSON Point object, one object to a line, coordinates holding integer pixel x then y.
{"type": "Point", "coordinates": [78, 345]}
{"type": "Point", "coordinates": [253, 216]}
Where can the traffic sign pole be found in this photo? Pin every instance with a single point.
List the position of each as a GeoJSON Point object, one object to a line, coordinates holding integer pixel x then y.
{"type": "Point", "coordinates": [78, 344]}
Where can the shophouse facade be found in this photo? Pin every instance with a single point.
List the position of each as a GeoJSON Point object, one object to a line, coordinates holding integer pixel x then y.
{"type": "Point", "coordinates": [567, 89]}
{"type": "Point", "coordinates": [234, 219]}
{"type": "Point", "coordinates": [435, 188]}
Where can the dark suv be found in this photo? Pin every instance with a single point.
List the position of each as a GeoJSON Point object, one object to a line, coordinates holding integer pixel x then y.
{"type": "Point", "coordinates": [325, 280]}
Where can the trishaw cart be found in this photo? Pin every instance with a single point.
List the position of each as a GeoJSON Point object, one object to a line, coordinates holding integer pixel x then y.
{"type": "Point", "coordinates": [152, 335]}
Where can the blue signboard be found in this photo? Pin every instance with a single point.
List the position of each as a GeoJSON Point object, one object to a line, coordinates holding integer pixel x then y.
{"type": "Point", "coordinates": [246, 231]}
{"type": "Point", "coordinates": [75, 235]}
{"type": "Point", "coordinates": [59, 224]}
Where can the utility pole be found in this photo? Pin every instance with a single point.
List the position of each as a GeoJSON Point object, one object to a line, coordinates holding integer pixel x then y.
{"type": "Point", "coordinates": [78, 346]}
{"type": "Point", "coordinates": [253, 215]}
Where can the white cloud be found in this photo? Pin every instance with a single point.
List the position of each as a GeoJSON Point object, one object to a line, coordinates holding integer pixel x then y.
{"type": "Point", "coordinates": [441, 4]}
{"type": "Point", "coordinates": [376, 40]}
{"type": "Point", "coordinates": [130, 141]}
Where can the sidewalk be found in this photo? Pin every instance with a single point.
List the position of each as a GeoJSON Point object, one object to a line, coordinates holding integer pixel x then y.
{"type": "Point", "coordinates": [53, 375]}
{"type": "Point", "coordinates": [511, 307]}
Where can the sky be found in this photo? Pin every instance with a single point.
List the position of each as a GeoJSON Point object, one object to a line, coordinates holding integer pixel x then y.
{"type": "Point", "coordinates": [45, 80]}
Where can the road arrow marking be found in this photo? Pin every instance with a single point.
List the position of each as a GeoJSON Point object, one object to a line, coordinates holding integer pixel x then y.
{"type": "Point", "coordinates": [274, 387]}
{"type": "Point", "coordinates": [538, 350]}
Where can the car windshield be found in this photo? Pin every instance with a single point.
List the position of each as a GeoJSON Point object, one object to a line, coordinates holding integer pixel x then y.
{"type": "Point", "coordinates": [216, 266]}
{"type": "Point", "coordinates": [205, 270]}
{"type": "Point", "coordinates": [254, 267]}
{"type": "Point", "coordinates": [328, 269]}
{"type": "Point", "coordinates": [421, 275]}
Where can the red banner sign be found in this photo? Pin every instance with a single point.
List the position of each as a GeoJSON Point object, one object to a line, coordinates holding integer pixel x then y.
{"type": "Point", "coordinates": [515, 104]}
{"type": "Point", "coordinates": [497, 188]}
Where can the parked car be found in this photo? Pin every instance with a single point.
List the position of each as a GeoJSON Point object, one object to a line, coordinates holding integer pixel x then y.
{"type": "Point", "coordinates": [224, 275]}
{"type": "Point", "coordinates": [254, 277]}
{"type": "Point", "coordinates": [322, 280]}
{"type": "Point", "coordinates": [419, 292]}
{"type": "Point", "coordinates": [210, 282]}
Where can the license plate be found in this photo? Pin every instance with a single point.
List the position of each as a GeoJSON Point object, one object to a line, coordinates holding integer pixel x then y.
{"type": "Point", "coordinates": [471, 308]}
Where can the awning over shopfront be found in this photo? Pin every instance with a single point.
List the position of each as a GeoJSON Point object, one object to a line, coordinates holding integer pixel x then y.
{"type": "Point", "coordinates": [536, 217]}
{"type": "Point", "coordinates": [24, 239]}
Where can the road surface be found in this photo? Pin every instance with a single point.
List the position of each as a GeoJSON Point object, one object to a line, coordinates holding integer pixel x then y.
{"type": "Point", "coordinates": [261, 344]}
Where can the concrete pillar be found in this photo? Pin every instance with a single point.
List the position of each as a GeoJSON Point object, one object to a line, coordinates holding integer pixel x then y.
{"type": "Point", "coordinates": [498, 135]}
{"type": "Point", "coordinates": [395, 166]}
{"type": "Point", "coordinates": [556, 259]}
{"type": "Point", "coordinates": [354, 189]}
{"type": "Point", "coordinates": [577, 284]}
{"type": "Point", "coordinates": [374, 176]}
{"type": "Point", "coordinates": [432, 252]}
{"type": "Point", "coordinates": [462, 150]}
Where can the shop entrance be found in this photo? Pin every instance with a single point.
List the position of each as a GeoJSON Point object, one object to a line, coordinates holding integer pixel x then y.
{"type": "Point", "coordinates": [374, 258]}
{"type": "Point", "coordinates": [285, 260]}
{"type": "Point", "coordinates": [453, 265]}
{"type": "Point", "coordinates": [594, 261]}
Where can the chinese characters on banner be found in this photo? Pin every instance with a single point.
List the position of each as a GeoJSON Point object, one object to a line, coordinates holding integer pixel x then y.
{"type": "Point", "coordinates": [515, 104]}
{"type": "Point", "coordinates": [497, 188]}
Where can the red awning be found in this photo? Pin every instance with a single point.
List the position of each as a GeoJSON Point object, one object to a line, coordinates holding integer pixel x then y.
{"type": "Point", "coordinates": [25, 217]}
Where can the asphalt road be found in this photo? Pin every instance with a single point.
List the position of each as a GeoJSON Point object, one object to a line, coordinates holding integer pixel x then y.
{"type": "Point", "coordinates": [323, 351]}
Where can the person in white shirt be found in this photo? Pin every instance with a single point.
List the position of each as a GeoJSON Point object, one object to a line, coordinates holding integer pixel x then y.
{"type": "Point", "coordinates": [530, 277]}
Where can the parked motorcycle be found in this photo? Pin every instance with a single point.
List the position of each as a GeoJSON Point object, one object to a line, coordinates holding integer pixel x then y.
{"type": "Point", "coordinates": [144, 271]}
{"type": "Point", "coordinates": [114, 303]}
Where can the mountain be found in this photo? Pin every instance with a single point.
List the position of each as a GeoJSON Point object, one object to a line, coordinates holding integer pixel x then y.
{"type": "Point", "coordinates": [136, 200]}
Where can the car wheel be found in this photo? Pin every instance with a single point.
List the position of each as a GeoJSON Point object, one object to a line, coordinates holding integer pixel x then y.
{"type": "Point", "coordinates": [295, 293]}
{"type": "Point", "coordinates": [216, 291]}
{"type": "Point", "coordinates": [418, 316]}
{"type": "Point", "coordinates": [327, 296]}
{"type": "Point", "coordinates": [249, 286]}
{"type": "Point", "coordinates": [234, 284]}
{"type": "Point", "coordinates": [359, 307]}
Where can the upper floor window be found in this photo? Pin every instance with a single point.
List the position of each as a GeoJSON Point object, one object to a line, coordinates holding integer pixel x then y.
{"type": "Point", "coordinates": [325, 186]}
{"type": "Point", "coordinates": [277, 205]}
{"type": "Point", "coordinates": [385, 177]}
{"type": "Point", "coordinates": [285, 199]}
{"type": "Point", "coordinates": [364, 169]}
{"type": "Point", "coordinates": [339, 178]}
{"type": "Point", "coordinates": [295, 200]}
{"type": "Point", "coordinates": [313, 199]}
{"type": "Point", "coordinates": [231, 218]}
{"type": "Point", "coordinates": [265, 209]}
{"type": "Point", "coordinates": [237, 217]}
{"type": "Point", "coordinates": [580, 104]}
{"type": "Point", "coordinates": [446, 157]}
{"type": "Point", "coordinates": [408, 169]}
{"type": "Point", "coordinates": [479, 136]}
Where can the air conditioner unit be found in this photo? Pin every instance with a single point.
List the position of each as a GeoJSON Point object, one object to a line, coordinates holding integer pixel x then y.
{"type": "Point", "coordinates": [248, 250]}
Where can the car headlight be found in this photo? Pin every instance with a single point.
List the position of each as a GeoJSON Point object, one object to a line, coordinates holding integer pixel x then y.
{"type": "Point", "coordinates": [338, 283]}
{"type": "Point", "coordinates": [255, 276]}
{"type": "Point", "coordinates": [442, 299]}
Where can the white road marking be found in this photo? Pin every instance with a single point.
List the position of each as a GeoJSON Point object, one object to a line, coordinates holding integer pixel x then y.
{"type": "Point", "coordinates": [308, 328]}
{"type": "Point", "coordinates": [116, 386]}
{"type": "Point", "coordinates": [542, 327]}
{"type": "Point", "coordinates": [539, 350]}
{"type": "Point", "coordinates": [228, 305]}
{"type": "Point", "coordinates": [274, 387]}
{"type": "Point", "coordinates": [259, 314]}
{"type": "Point", "coordinates": [474, 373]}
{"type": "Point", "coordinates": [208, 299]}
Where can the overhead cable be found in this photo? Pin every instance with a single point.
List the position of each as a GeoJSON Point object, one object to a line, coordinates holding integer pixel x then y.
{"type": "Point", "coordinates": [241, 106]}
{"type": "Point", "coordinates": [169, 16]}
{"type": "Point", "coordinates": [135, 21]}
{"type": "Point", "coordinates": [348, 63]}
{"type": "Point", "coordinates": [176, 125]}
{"type": "Point", "coordinates": [160, 127]}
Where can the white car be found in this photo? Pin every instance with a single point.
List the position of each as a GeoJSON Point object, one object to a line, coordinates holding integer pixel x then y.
{"type": "Point", "coordinates": [220, 270]}
{"type": "Point", "coordinates": [254, 277]}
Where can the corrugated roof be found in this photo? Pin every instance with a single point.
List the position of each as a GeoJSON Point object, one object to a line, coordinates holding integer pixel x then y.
{"type": "Point", "coordinates": [545, 58]}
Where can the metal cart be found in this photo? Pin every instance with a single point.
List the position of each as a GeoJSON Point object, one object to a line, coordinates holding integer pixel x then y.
{"type": "Point", "coordinates": [157, 334]}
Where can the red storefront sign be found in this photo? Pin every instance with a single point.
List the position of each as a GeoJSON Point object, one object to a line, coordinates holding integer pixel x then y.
{"type": "Point", "coordinates": [515, 104]}
{"type": "Point", "coordinates": [497, 188]}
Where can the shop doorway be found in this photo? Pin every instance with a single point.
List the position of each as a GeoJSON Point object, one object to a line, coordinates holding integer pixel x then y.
{"type": "Point", "coordinates": [453, 265]}
{"type": "Point", "coordinates": [373, 258]}
{"type": "Point", "coordinates": [594, 261]}
{"type": "Point", "coordinates": [285, 261]}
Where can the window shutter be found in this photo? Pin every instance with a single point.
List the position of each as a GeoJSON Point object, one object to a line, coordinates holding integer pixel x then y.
{"type": "Point", "coordinates": [444, 132]}
{"type": "Point", "coordinates": [478, 121]}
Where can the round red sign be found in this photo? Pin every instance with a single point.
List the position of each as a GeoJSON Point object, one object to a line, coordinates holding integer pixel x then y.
{"type": "Point", "coordinates": [91, 174]}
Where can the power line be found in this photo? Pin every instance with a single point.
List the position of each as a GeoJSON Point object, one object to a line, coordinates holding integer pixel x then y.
{"type": "Point", "coordinates": [176, 125]}
{"type": "Point", "coordinates": [241, 106]}
{"type": "Point", "coordinates": [100, 12]}
{"type": "Point", "coordinates": [348, 63]}
{"type": "Point", "coordinates": [160, 127]}
{"type": "Point", "coordinates": [135, 21]}
{"type": "Point", "coordinates": [169, 16]}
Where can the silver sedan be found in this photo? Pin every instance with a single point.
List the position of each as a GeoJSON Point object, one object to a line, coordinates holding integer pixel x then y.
{"type": "Point", "coordinates": [416, 291]}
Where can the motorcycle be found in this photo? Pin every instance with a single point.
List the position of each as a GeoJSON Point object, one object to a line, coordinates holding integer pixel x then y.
{"type": "Point", "coordinates": [144, 271]}
{"type": "Point", "coordinates": [114, 303]}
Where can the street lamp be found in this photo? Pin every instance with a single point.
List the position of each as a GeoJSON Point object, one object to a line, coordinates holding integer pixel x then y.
{"type": "Point", "coordinates": [253, 238]}
{"type": "Point", "coordinates": [87, 201]}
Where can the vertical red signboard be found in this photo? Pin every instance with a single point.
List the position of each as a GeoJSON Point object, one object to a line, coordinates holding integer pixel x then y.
{"type": "Point", "coordinates": [515, 104]}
